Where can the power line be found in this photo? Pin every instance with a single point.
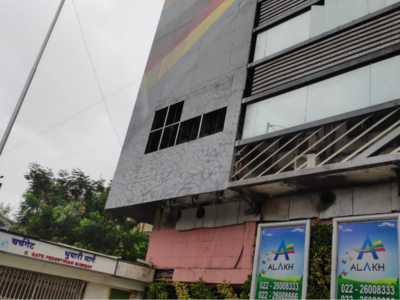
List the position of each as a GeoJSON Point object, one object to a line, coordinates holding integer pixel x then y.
{"type": "Point", "coordinates": [65, 157]}
{"type": "Point", "coordinates": [95, 73]}
{"type": "Point", "coordinates": [71, 117]}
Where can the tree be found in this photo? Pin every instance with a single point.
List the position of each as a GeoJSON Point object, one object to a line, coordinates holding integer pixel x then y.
{"type": "Point", "coordinates": [70, 208]}
{"type": "Point", "coordinates": [5, 210]}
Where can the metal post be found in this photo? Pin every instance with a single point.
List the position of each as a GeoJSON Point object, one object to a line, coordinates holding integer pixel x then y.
{"type": "Point", "coordinates": [29, 80]}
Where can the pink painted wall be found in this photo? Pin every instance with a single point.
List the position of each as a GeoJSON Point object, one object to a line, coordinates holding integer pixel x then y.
{"type": "Point", "coordinates": [216, 254]}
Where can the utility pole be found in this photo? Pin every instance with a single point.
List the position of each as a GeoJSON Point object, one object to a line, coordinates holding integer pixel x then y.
{"type": "Point", "coordinates": [29, 80]}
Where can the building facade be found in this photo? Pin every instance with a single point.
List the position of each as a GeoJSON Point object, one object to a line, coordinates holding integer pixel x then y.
{"type": "Point", "coordinates": [260, 111]}
{"type": "Point", "coordinates": [38, 269]}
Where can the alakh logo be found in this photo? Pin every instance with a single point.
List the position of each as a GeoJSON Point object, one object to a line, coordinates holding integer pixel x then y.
{"type": "Point", "coordinates": [373, 248]}
{"type": "Point", "coordinates": [369, 247]}
{"type": "Point", "coordinates": [284, 250]}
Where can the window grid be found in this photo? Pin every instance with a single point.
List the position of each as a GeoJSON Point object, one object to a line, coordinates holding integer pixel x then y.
{"type": "Point", "coordinates": [176, 128]}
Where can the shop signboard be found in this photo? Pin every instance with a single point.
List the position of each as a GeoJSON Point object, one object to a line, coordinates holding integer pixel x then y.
{"type": "Point", "coordinates": [365, 260]}
{"type": "Point", "coordinates": [56, 253]}
{"type": "Point", "coordinates": [281, 261]}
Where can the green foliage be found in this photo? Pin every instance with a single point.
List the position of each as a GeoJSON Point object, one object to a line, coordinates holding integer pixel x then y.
{"type": "Point", "coordinates": [156, 290]}
{"type": "Point", "coordinates": [182, 290]}
{"type": "Point", "coordinates": [200, 290]}
{"type": "Point", "coordinates": [320, 262]}
{"type": "Point", "coordinates": [246, 288]}
{"type": "Point", "coordinates": [5, 210]}
{"type": "Point", "coordinates": [225, 290]}
{"type": "Point", "coordinates": [70, 208]}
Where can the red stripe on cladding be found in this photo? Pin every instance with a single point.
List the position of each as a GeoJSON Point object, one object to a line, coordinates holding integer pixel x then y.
{"type": "Point", "coordinates": [158, 55]}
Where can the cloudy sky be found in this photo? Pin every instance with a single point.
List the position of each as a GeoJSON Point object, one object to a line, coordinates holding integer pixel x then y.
{"type": "Point", "coordinates": [70, 118]}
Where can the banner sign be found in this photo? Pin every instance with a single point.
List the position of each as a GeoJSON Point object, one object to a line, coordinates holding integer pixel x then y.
{"type": "Point", "coordinates": [71, 257]}
{"type": "Point", "coordinates": [367, 265]}
{"type": "Point", "coordinates": [281, 261]}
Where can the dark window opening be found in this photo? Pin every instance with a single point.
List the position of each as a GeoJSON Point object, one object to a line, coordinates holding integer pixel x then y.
{"type": "Point", "coordinates": [174, 114]}
{"type": "Point", "coordinates": [167, 129]}
{"type": "Point", "coordinates": [189, 130]}
{"type": "Point", "coordinates": [213, 122]}
{"type": "Point", "coordinates": [159, 119]}
{"type": "Point", "coordinates": [154, 140]}
{"type": "Point", "coordinates": [169, 136]}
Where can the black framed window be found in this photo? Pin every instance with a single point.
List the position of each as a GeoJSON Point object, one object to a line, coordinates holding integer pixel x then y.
{"type": "Point", "coordinates": [213, 122]}
{"type": "Point", "coordinates": [168, 130]}
{"type": "Point", "coordinates": [189, 130]}
{"type": "Point", "coordinates": [165, 128]}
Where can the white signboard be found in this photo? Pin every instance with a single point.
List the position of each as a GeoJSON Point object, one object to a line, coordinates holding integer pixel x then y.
{"type": "Point", "coordinates": [56, 254]}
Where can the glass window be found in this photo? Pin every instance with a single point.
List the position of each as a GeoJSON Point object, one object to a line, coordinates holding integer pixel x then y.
{"type": "Point", "coordinates": [340, 94]}
{"type": "Point", "coordinates": [360, 88]}
{"type": "Point", "coordinates": [213, 122]}
{"type": "Point", "coordinates": [385, 80]}
{"type": "Point", "coordinates": [159, 118]}
{"type": "Point", "coordinates": [169, 136]}
{"type": "Point", "coordinates": [174, 114]}
{"type": "Point", "coordinates": [282, 36]}
{"type": "Point", "coordinates": [154, 141]}
{"type": "Point", "coordinates": [189, 130]}
{"type": "Point", "coordinates": [168, 130]}
{"type": "Point", "coordinates": [275, 114]}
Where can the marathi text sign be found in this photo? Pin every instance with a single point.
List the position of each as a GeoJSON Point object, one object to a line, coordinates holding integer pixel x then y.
{"type": "Point", "coordinates": [54, 253]}
{"type": "Point", "coordinates": [368, 262]}
{"type": "Point", "coordinates": [281, 263]}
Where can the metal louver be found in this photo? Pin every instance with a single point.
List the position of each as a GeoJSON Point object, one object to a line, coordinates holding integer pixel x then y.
{"type": "Point", "coordinates": [272, 9]}
{"type": "Point", "coordinates": [325, 53]}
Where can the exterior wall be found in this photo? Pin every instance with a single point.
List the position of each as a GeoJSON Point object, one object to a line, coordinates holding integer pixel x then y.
{"type": "Point", "coordinates": [101, 281]}
{"type": "Point", "coordinates": [215, 254]}
{"type": "Point", "coordinates": [355, 201]}
{"type": "Point", "coordinates": [199, 55]}
{"type": "Point", "coordinates": [96, 291]}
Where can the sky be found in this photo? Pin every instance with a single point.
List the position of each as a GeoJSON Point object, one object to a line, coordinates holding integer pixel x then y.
{"type": "Point", "coordinates": [79, 105]}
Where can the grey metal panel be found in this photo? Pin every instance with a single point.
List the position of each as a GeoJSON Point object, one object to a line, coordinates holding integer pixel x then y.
{"type": "Point", "coordinates": [210, 75]}
{"type": "Point", "coordinates": [243, 217]}
{"type": "Point", "coordinates": [187, 220]}
{"type": "Point", "coordinates": [210, 217]}
{"type": "Point", "coordinates": [276, 209]}
{"type": "Point", "coordinates": [343, 205]}
{"type": "Point", "coordinates": [372, 200]}
{"type": "Point", "coordinates": [303, 206]}
{"type": "Point", "coordinates": [227, 214]}
{"type": "Point", "coordinates": [395, 196]}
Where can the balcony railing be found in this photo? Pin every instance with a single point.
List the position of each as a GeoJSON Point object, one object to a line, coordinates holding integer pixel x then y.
{"type": "Point", "coordinates": [356, 138]}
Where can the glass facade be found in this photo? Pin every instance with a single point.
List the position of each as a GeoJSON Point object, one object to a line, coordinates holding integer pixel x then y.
{"type": "Point", "coordinates": [363, 87]}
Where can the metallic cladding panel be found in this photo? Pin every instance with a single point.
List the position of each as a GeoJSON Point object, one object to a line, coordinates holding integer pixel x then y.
{"type": "Point", "coordinates": [200, 56]}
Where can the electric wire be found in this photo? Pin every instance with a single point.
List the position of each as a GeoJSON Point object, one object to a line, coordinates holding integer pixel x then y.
{"type": "Point", "coordinates": [95, 73]}
{"type": "Point", "coordinates": [64, 157]}
{"type": "Point", "coordinates": [71, 117]}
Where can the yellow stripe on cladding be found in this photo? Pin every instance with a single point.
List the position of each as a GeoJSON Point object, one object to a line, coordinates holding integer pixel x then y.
{"type": "Point", "coordinates": [169, 3]}
{"type": "Point", "coordinates": [171, 59]}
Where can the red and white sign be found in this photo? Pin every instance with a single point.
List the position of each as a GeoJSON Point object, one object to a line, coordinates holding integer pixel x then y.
{"type": "Point", "coordinates": [72, 257]}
